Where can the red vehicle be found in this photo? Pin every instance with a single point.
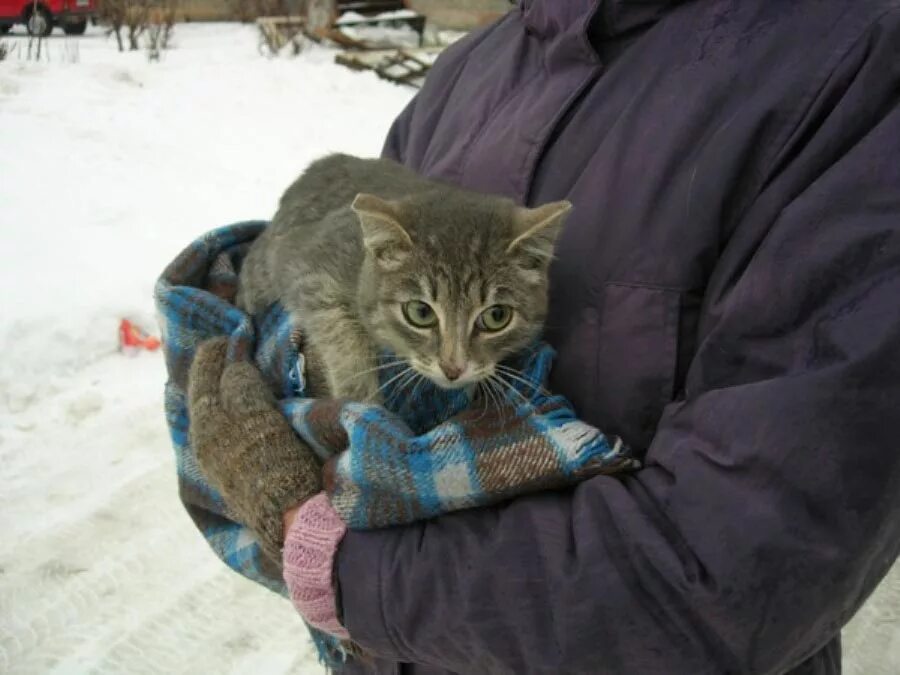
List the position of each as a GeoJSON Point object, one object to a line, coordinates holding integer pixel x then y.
{"type": "Point", "coordinates": [40, 17]}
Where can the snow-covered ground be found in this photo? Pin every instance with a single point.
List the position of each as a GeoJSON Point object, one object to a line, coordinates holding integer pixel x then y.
{"type": "Point", "coordinates": [109, 165]}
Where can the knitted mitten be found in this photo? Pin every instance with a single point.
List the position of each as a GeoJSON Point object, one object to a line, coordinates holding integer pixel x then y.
{"type": "Point", "coordinates": [310, 546]}
{"type": "Point", "coordinates": [245, 446]}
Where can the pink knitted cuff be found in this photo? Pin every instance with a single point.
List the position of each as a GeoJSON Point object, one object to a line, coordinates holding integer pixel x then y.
{"type": "Point", "coordinates": [309, 549]}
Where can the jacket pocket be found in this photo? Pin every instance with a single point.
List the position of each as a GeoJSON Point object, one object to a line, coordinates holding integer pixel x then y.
{"type": "Point", "coordinates": [636, 360]}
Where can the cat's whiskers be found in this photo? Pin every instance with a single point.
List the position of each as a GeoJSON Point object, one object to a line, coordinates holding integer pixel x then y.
{"type": "Point", "coordinates": [479, 396]}
{"type": "Point", "coordinates": [480, 378]}
{"type": "Point", "coordinates": [487, 395]}
{"type": "Point", "coordinates": [485, 400]}
{"type": "Point", "coordinates": [401, 386]}
{"type": "Point", "coordinates": [505, 404]}
{"type": "Point", "coordinates": [496, 396]}
{"type": "Point", "coordinates": [507, 386]}
{"type": "Point", "coordinates": [392, 364]}
{"type": "Point", "coordinates": [506, 371]}
{"type": "Point", "coordinates": [396, 377]}
{"type": "Point", "coordinates": [421, 379]}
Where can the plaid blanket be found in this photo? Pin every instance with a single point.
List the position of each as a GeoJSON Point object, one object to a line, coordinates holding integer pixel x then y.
{"type": "Point", "coordinates": [433, 451]}
{"type": "Point", "coordinates": [432, 441]}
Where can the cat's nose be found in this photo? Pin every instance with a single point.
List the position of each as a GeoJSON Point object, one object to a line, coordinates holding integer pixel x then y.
{"type": "Point", "coordinates": [451, 370]}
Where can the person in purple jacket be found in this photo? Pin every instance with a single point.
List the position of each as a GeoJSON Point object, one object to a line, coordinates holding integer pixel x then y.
{"type": "Point", "coordinates": [726, 298]}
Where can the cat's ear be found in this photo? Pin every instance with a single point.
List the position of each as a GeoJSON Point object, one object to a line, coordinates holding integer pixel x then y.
{"type": "Point", "coordinates": [383, 235]}
{"type": "Point", "coordinates": [535, 231]}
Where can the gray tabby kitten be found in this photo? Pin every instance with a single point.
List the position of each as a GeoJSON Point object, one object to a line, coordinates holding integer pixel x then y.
{"type": "Point", "coordinates": [450, 281]}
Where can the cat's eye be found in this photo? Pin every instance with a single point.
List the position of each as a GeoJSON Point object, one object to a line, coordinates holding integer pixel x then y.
{"type": "Point", "coordinates": [419, 314]}
{"type": "Point", "coordinates": [494, 318]}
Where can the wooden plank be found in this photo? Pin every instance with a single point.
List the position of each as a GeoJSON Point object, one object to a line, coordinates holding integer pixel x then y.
{"type": "Point", "coordinates": [371, 58]}
{"type": "Point", "coordinates": [277, 31]}
{"type": "Point", "coordinates": [407, 66]}
{"type": "Point", "coordinates": [370, 7]}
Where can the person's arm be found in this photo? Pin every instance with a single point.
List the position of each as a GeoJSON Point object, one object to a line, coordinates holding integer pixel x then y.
{"type": "Point", "coordinates": [398, 135]}
{"type": "Point", "coordinates": [769, 507]}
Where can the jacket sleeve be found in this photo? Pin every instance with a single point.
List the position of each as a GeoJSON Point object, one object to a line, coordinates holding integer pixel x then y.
{"type": "Point", "coordinates": [398, 135]}
{"type": "Point", "coordinates": [769, 506]}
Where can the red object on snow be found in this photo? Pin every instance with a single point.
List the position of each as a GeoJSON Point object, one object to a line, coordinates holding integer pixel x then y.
{"type": "Point", "coordinates": [130, 336]}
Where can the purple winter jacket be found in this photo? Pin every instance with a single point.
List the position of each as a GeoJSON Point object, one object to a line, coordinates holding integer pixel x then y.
{"type": "Point", "coordinates": [726, 297]}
